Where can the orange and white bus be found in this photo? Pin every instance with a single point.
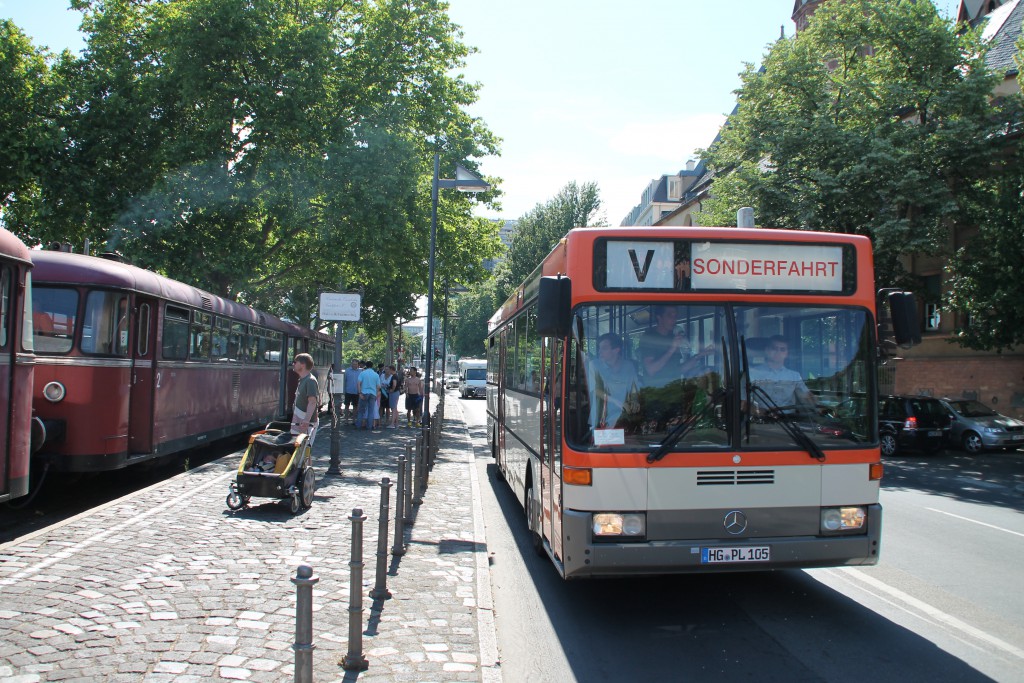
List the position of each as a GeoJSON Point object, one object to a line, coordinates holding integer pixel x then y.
{"type": "Point", "coordinates": [667, 400]}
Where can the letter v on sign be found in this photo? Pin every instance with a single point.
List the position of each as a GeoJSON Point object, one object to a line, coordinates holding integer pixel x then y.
{"type": "Point", "coordinates": [641, 273]}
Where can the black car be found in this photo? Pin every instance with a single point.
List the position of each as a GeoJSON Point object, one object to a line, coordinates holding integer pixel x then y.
{"type": "Point", "coordinates": [913, 423]}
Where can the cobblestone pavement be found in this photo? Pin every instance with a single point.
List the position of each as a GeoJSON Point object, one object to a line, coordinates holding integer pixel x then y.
{"type": "Point", "coordinates": [167, 584]}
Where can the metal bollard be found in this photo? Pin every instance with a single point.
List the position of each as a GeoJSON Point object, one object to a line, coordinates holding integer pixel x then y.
{"type": "Point", "coordinates": [417, 496]}
{"type": "Point", "coordinates": [303, 647]}
{"type": "Point", "coordinates": [335, 465]}
{"type": "Point", "coordinates": [407, 508]}
{"type": "Point", "coordinates": [354, 660]}
{"type": "Point", "coordinates": [398, 548]}
{"type": "Point", "coordinates": [380, 586]}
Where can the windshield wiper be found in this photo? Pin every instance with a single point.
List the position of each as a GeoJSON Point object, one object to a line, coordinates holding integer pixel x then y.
{"type": "Point", "coordinates": [787, 423]}
{"type": "Point", "coordinates": [684, 428]}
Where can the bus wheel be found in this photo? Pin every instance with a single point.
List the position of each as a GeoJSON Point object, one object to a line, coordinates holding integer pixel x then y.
{"type": "Point", "coordinates": [533, 522]}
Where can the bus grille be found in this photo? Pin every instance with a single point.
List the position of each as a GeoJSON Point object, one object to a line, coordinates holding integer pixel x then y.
{"type": "Point", "coordinates": [735, 477]}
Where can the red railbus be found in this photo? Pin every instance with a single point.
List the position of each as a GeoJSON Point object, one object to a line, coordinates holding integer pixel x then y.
{"type": "Point", "coordinates": [16, 365]}
{"type": "Point", "coordinates": [133, 366]}
{"type": "Point", "coordinates": [666, 400]}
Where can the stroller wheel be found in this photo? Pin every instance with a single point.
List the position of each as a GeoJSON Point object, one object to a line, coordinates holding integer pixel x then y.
{"type": "Point", "coordinates": [307, 485]}
{"type": "Point", "coordinates": [235, 501]}
{"type": "Point", "coordinates": [295, 504]}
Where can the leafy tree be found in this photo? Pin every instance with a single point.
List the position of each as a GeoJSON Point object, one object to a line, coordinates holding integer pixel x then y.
{"type": "Point", "coordinates": [983, 277]}
{"type": "Point", "coordinates": [27, 105]}
{"type": "Point", "coordinates": [871, 121]}
{"type": "Point", "coordinates": [538, 231]}
{"type": "Point", "coordinates": [472, 310]}
{"type": "Point", "coordinates": [267, 150]}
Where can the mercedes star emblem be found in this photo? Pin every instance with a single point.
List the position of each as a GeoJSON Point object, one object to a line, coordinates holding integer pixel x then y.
{"type": "Point", "coordinates": [735, 522]}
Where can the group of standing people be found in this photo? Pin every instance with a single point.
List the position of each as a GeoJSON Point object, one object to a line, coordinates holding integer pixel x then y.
{"type": "Point", "coordinates": [372, 395]}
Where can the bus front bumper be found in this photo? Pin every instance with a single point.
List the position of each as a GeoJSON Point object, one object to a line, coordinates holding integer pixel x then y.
{"type": "Point", "coordinates": [593, 559]}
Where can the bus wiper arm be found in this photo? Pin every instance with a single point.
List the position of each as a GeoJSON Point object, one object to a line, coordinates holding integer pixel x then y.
{"type": "Point", "coordinates": [681, 430]}
{"type": "Point", "coordinates": [789, 425]}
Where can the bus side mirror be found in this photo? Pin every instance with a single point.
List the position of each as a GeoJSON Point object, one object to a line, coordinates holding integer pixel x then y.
{"type": "Point", "coordinates": [903, 318]}
{"type": "Point", "coordinates": [554, 304]}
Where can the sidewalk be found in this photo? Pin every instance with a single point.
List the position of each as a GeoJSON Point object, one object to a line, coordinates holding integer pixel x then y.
{"type": "Point", "coordinates": [167, 584]}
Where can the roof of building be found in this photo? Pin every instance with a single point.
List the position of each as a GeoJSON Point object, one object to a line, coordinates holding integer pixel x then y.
{"type": "Point", "coordinates": [1002, 27]}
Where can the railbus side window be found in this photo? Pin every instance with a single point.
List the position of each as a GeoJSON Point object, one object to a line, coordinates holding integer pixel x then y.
{"type": "Point", "coordinates": [175, 339]}
{"type": "Point", "coordinates": [142, 343]}
{"type": "Point", "coordinates": [199, 346]}
{"type": "Point", "coordinates": [54, 310]}
{"type": "Point", "coordinates": [272, 354]}
{"type": "Point", "coordinates": [219, 343]}
{"type": "Point", "coordinates": [105, 323]}
{"type": "Point", "coordinates": [5, 305]}
{"type": "Point", "coordinates": [236, 342]}
{"type": "Point", "coordinates": [27, 334]}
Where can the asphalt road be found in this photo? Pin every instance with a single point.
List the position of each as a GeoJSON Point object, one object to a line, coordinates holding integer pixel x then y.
{"type": "Point", "coordinates": [944, 604]}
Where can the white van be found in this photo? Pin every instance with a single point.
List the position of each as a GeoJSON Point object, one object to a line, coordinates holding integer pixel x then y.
{"type": "Point", "coordinates": [472, 377]}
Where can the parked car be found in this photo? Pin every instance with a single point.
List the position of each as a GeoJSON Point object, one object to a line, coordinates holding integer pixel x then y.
{"type": "Point", "coordinates": [451, 381]}
{"type": "Point", "coordinates": [912, 423]}
{"type": "Point", "coordinates": [977, 427]}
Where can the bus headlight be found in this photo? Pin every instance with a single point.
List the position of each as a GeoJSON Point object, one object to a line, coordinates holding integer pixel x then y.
{"type": "Point", "coordinates": [630, 524]}
{"type": "Point", "coordinates": [837, 520]}
{"type": "Point", "coordinates": [54, 392]}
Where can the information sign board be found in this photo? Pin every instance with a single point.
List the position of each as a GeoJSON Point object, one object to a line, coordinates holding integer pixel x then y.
{"type": "Point", "coordinates": [340, 306]}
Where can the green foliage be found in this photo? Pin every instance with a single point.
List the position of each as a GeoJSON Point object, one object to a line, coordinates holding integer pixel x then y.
{"type": "Point", "coordinates": [538, 231]}
{"type": "Point", "coordinates": [27, 105]}
{"type": "Point", "coordinates": [266, 151]}
{"type": "Point", "coordinates": [472, 310]}
{"type": "Point", "coordinates": [832, 136]}
{"type": "Point", "coordinates": [983, 277]}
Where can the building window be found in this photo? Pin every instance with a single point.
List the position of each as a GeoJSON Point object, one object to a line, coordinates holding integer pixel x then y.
{"type": "Point", "coordinates": [932, 317]}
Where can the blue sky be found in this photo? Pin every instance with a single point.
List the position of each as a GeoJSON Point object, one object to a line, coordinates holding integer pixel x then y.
{"type": "Point", "coordinates": [614, 92]}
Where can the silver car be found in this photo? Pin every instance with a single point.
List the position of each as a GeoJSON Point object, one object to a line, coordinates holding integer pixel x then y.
{"type": "Point", "coordinates": [977, 427]}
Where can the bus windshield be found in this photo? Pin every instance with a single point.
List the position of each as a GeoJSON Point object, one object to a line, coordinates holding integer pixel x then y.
{"type": "Point", "coordinates": [724, 376]}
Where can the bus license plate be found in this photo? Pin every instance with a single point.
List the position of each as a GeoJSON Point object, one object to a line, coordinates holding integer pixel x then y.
{"type": "Point", "coordinates": [760, 553]}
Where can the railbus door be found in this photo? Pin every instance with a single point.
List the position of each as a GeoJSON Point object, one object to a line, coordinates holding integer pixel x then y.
{"type": "Point", "coordinates": [8, 344]}
{"type": "Point", "coordinates": [551, 431]}
{"type": "Point", "coordinates": [143, 352]}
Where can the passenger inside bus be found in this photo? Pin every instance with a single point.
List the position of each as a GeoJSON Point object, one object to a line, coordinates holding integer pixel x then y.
{"type": "Point", "coordinates": [616, 387]}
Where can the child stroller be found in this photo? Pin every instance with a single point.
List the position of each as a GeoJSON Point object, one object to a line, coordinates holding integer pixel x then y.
{"type": "Point", "coordinates": [276, 464]}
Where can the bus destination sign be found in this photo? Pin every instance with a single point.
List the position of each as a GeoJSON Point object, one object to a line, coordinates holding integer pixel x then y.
{"type": "Point", "coordinates": [790, 267]}
{"type": "Point", "coordinates": [679, 265]}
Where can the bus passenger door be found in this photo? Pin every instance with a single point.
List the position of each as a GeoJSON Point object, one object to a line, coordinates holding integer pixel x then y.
{"type": "Point", "coordinates": [143, 352]}
{"type": "Point", "coordinates": [551, 430]}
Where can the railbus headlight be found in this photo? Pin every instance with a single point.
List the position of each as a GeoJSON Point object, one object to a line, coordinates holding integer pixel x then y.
{"type": "Point", "coordinates": [838, 520]}
{"type": "Point", "coordinates": [54, 392]}
{"type": "Point", "coordinates": [631, 525]}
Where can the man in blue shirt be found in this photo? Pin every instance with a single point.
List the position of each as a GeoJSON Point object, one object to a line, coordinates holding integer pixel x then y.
{"type": "Point", "coordinates": [369, 393]}
{"type": "Point", "coordinates": [352, 389]}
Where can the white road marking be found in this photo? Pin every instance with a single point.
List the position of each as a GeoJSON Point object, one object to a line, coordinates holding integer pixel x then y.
{"type": "Point", "coordinates": [974, 521]}
{"type": "Point", "coordinates": [908, 601]}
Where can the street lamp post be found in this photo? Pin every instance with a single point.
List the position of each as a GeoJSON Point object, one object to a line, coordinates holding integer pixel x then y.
{"type": "Point", "coordinates": [464, 181]}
